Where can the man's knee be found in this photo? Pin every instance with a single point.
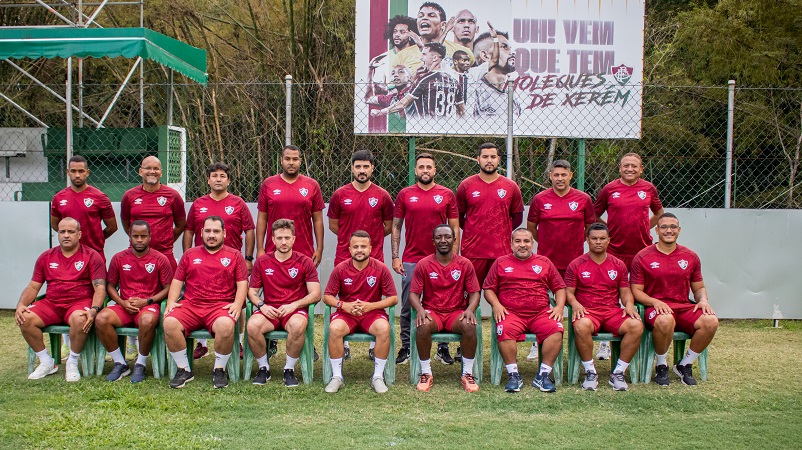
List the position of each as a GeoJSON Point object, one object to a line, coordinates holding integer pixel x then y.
{"type": "Point", "coordinates": [148, 321]}
{"type": "Point", "coordinates": [338, 329]}
{"type": "Point", "coordinates": [297, 324]}
{"type": "Point", "coordinates": [664, 322]}
{"type": "Point", "coordinates": [223, 327]}
{"type": "Point", "coordinates": [172, 325]}
{"type": "Point", "coordinates": [380, 328]}
{"type": "Point", "coordinates": [632, 327]}
{"type": "Point", "coordinates": [707, 322]}
{"type": "Point", "coordinates": [583, 327]}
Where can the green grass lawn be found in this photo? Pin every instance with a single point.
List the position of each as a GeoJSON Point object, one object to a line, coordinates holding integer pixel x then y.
{"type": "Point", "coordinates": [751, 400]}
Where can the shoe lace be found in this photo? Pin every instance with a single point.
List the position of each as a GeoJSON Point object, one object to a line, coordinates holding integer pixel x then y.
{"type": "Point", "coordinates": [469, 378]}
{"type": "Point", "coordinates": [618, 376]}
{"type": "Point", "coordinates": [424, 378]}
{"type": "Point", "coordinates": [591, 376]}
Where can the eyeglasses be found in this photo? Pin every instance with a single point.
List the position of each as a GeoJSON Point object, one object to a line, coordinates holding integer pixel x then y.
{"type": "Point", "coordinates": [668, 227]}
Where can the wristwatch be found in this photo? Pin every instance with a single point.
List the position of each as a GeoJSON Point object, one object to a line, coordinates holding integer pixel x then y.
{"type": "Point", "coordinates": [96, 308]}
{"type": "Point", "coordinates": [249, 258]}
{"type": "Point", "coordinates": [259, 306]}
{"type": "Point", "coordinates": [339, 304]}
{"type": "Point", "coordinates": [150, 301]}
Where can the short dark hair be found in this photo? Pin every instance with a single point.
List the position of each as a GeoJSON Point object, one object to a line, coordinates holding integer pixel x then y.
{"type": "Point", "coordinates": [140, 223]}
{"type": "Point", "coordinates": [435, 6]}
{"type": "Point", "coordinates": [486, 145]}
{"type": "Point", "coordinates": [667, 215]}
{"type": "Point", "coordinates": [436, 47]}
{"type": "Point", "coordinates": [363, 155]}
{"type": "Point", "coordinates": [520, 229]}
{"type": "Point", "coordinates": [424, 156]}
{"type": "Point", "coordinates": [444, 225]}
{"type": "Point", "coordinates": [219, 165]}
{"type": "Point", "coordinates": [283, 224]}
{"type": "Point", "coordinates": [359, 234]}
{"type": "Point", "coordinates": [294, 148]}
{"type": "Point", "coordinates": [560, 163]}
{"type": "Point", "coordinates": [78, 159]}
{"type": "Point", "coordinates": [597, 226]}
{"type": "Point", "coordinates": [459, 54]}
{"type": "Point", "coordinates": [411, 23]}
{"type": "Point", "coordinates": [216, 219]}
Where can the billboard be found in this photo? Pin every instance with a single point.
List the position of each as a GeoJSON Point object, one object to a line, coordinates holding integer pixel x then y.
{"type": "Point", "coordinates": [575, 69]}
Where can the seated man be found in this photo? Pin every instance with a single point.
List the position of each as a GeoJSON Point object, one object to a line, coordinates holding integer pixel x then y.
{"type": "Point", "coordinates": [76, 287]}
{"type": "Point", "coordinates": [594, 282]}
{"type": "Point", "coordinates": [517, 287]}
{"type": "Point", "coordinates": [662, 276]}
{"type": "Point", "coordinates": [216, 280]}
{"type": "Point", "coordinates": [143, 276]}
{"type": "Point", "coordinates": [290, 284]}
{"type": "Point", "coordinates": [447, 282]}
{"type": "Point", "coordinates": [355, 288]}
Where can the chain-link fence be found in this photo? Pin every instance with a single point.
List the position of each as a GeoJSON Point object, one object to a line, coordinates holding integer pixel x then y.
{"type": "Point", "coordinates": [683, 140]}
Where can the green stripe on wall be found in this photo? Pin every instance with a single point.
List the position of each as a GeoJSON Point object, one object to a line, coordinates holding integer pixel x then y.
{"type": "Point", "coordinates": [399, 7]}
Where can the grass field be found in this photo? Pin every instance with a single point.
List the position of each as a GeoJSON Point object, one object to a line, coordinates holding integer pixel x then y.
{"type": "Point", "coordinates": [752, 400]}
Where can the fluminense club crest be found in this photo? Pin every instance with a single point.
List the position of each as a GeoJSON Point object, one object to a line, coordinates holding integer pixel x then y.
{"type": "Point", "coordinates": [613, 274]}
{"type": "Point", "coordinates": [642, 195]}
{"type": "Point", "coordinates": [229, 210]}
{"type": "Point", "coordinates": [303, 191]}
{"type": "Point", "coordinates": [573, 206]}
{"type": "Point", "coordinates": [501, 193]}
{"type": "Point", "coordinates": [373, 201]}
{"type": "Point", "coordinates": [225, 261]}
{"type": "Point", "coordinates": [371, 281]}
{"type": "Point", "coordinates": [293, 272]}
{"type": "Point", "coordinates": [622, 74]}
{"type": "Point", "coordinates": [455, 274]}
{"type": "Point", "coordinates": [150, 267]}
{"type": "Point", "coordinates": [537, 269]}
{"type": "Point", "coordinates": [79, 265]}
{"type": "Point", "coordinates": [162, 200]}
{"type": "Point", "coordinates": [683, 264]}
{"type": "Point", "coordinates": [88, 202]}
{"type": "Point", "coordinates": [438, 199]}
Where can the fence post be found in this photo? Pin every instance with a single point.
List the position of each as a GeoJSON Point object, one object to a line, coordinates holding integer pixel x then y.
{"type": "Point", "coordinates": [510, 114]}
{"type": "Point", "coordinates": [730, 127]}
{"type": "Point", "coordinates": [170, 99]}
{"type": "Point", "coordinates": [288, 123]}
{"type": "Point", "coordinates": [580, 164]}
{"type": "Point", "coordinates": [68, 98]}
{"type": "Point", "coordinates": [411, 160]}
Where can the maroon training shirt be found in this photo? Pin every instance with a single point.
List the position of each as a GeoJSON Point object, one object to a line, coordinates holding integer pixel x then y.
{"type": "Point", "coordinates": [283, 282]}
{"type": "Point", "coordinates": [444, 289]}
{"type": "Point", "coordinates": [628, 215]}
{"type": "Point", "coordinates": [422, 210]}
{"type": "Point", "coordinates": [360, 211]}
{"type": "Point", "coordinates": [160, 209]}
{"type": "Point", "coordinates": [369, 284]}
{"type": "Point", "coordinates": [235, 213]}
{"type": "Point", "coordinates": [69, 279]}
{"type": "Point", "coordinates": [488, 209]}
{"type": "Point", "coordinates": [561, 224]}
{"type": "Point", "coordinates": [523, 286]}
{"type": "Point", "coordinates": [295, 201]}
{"type": "Point", "coordinates": [139, 277]}
{"type": "Point", "coordinates": [597, 285]}
{"type": "Point", "coordinates": [89, 207]}
{"type": "Point", "coordinates": [211, 277]}
{"type": "Point", "coordinates": [667, 277]}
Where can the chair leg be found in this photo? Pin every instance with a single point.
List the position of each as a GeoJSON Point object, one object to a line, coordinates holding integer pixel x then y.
{"type": "Point", "coordinates": [326, 358]}
{"type": "Point", "coordinates": [247, 356]}
{"type": "Point", "coordinates": [158, 354]}
{"type": "Point", "coordinates": [703, 365]}
{"type": "Point", "coordinates": [478, 362]}
{"type": "Point", "coordinates": [572, 377]}
{"type": "Point", "coordinates": [389, 369]}
{"type": "Point", "coordinates": [414, 356]}
{"type": "Point", "coordinates": [647, 347]}
{"type": "Point", "coordinates": [496, 363]}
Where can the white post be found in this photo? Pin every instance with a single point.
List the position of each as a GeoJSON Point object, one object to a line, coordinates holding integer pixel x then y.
{"type": "Point", "coordinates": [510, 114]}
{"type": "Point", "coordinates": [288, 121]}
{"type": "Point", "coordinates": [69, 114]}
{"type": "Point", "coordinates": [730, 126]}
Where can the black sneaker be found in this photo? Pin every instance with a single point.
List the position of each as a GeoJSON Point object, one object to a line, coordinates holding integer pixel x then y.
{"type": "Point", "coordinates": [262, 376]}
{"type": "Point", "coordinates": [661, 375]}
{"type": "Point", "coordinates": [220, 378]}
{"type": "Point", "coordinates": [138, 375]}
{"type": "Point", "coordinates": [273, 348]}
{"type": "Point", "coordinates": [514, 383]}
{"type": "Point", "coordinates": [371, 354]}
{"type": "Point", "coordinates": [403, 356]}
{"type": "Point", "coordinates": [316, 355]}
{"type": "Point", "coordinates": [346, 353]}
{"type": "Point", "coordinates": [181, 378]}
{"type": "Point", "coordinates": [685, 374]}
{"type": "Point", "coordinates": [444, 356]}
{"type": "Point", "coordinates": [458, 355]}
{"type": "Point", "coordinates": [289, 378]}
{"type": "Point", "coordinates": [118, 372]}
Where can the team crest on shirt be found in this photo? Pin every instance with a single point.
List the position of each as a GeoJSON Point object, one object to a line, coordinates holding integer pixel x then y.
{"type": "Point", "coordinates": [229, 210]}
{"type": "Point", "coordinates": [371, 281]}
{"type": "Point", "coordinates": [303, 191]}
{"type": "Point", "coordinates": [88, 202]}
{"type": "Point", "coordinates": [373, 201]}
{"type": "Point", "coordinates": [127, 267]}
{"type": "Point", "coordinates": [79, 265]}
{"type": "Point", "coordinates": [455, 274]}
{"type": "Point", "coordinates": [62, 203]}
{"type": "Point", "coordinates": [150, 267]}
{"type": "Point", "coordinates": [537, 269]}
{"type": "Point", "coordinates": [501, 193]}
{"type": "Point", "coordinates": [225, 261]}
{"type": "Point", "coordinates": [293, 272]}
{"type": "Point", "coordinates": [162, 201]}
{"type": "Point", "coordinates": [438, 199]}
{"type": "Point", "coordinates": [573, 206]}
{"type": "Point", "coordinates": [613, 274]}
{"type": "Point", "coordinates": [642, 195]}
{"type": "Point", "coordinates": [683, 264]}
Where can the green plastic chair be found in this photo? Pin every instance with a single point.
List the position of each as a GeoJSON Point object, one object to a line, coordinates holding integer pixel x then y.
{"type": "Point", "coordinates": [389, 369]}
{"type": "Point", "coordinates": [414, 358]}
{"type": "Point", "coordinates": [574, 362]}
{"type": "Point", "coordinates": [307, 351]}
{"type": "Point", "coordinates": [680, 341]}
{"type": "Point", "coordinates": [55, 331]}
{"type": "Point", "coordinates": [158, 353]}
{"type": "Point", "coordinates": [497, 363]}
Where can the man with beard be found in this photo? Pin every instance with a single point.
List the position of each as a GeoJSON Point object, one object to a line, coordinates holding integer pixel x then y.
{"type": "Point", "coordinates": [419, 208]}
{"type": "Point", "coordinates": [517, 287]}
{"type": "Point", "coordinates": [397, 32]}
{"type": "Point", "coordinates": [360, 205]}
{"type": "Point", "coordinates": [490, 98]}
{"type": "Point", "coordinates": [356, 288]}
{"type": "Point", "coordinates": [445, 295]}
{"type": "Point", "coordinates": [433, 28]}
{"type": "Point", "coordinates": [216, 280]}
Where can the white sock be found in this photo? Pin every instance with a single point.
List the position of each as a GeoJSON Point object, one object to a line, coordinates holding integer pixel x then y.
{"type": "Point", "coordinates": [589, 367]}
{"type": "Point", "coordinates": [512, 368]}
{"type": "Point", "coordinates": [73, 357]}
{"type": "Point", "coordinates": [337, 368]}
{"type": "Point", "coordinates": [545, 369]}
{"type": "Point", "coordinates": [290, 363]}
{"type": "Point", "coordinates": [263, 362]}
{"type": "Point", "coordinates": [141, 359]}
{"type": "Point", "coordinates": [467, 366]}
{"type": "Point", "coordinates": [689, 358]}
{"type": "Point", "coordinates": [534, 345]}
{"type": "Point", "coordinates": [661, 359]}
{"type": "Point", "coordinates": [117, 356]}
{"type": "Point", "coordinates": [372, 345]}
{"type": "Point", "coordinates": [426, 367]}
{"type": "Point", "coordinates": [203, 342]}
{"type": "Point", "coordinates": [45, 358]}
{"type": "Point", "coordinates": [180, 358]}
{"type": "Point", "coordinates": [66, 338]}
{"type": "Point", "coordinates": [220, 360]}
{"type": "Point", "coordinates": [621, 367]}
{"type": "Point", "coordinates": [378, 367]}
{"type": "Point", "coordinates": [132, 341]}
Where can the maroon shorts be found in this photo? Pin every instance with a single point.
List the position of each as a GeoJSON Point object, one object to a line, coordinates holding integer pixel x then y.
{"type": "Point", "coordinates": [482, 267]}
{"type": "Point", "coordinates": [195, 316]}
{"type": "Point", "coordinates": [445, 321]}
{"type": "Point", "coordinates": [684, 317]}
{"type": "Point", "coordinates": [361, 323]}
{"type": "Point", "coordinates": [128, 320]}
{"type": "Point", "coordinates": [607, 319]}
{"type": "Point", "coordinates": [53, 313]}
{"type": "Point", "coordinates": [281, 323]}
{"type": "Point", "coordinates": [515, 327]}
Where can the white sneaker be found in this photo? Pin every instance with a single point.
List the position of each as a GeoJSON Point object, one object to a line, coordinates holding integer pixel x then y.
{"type": "Point", "coordinates": [72, 371]}
{"type": "Point", "coordinates": [604, 351]}
{"type": "Point", "coordinates": [378, 385]}
{"type": "Point", "coordinates": [334, 385]}
{"type": "Point", "coordinates": [42, 371]}
{"type": "Point", "coordinates": [532, 356]}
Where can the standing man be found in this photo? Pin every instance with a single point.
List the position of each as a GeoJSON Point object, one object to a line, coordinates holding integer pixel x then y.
{"type": "Point", "coordinates": [517, 288]}
{"type": "Point", "coordinates": [143, 277]}
{"type": "Point", "coordinates": [216, 280]}
{"type": "Point", "coordinates": [558, 218]}
{"type": "Point", "coordinates": [628, 201]}
{"type": "Point", "coordinates": [360, 205]}
{"type": "Point", "coordinates": [594, 282]}
{"type": "Point", "coordinates": [419, 208]}
{"type": "Point", "coordinates": [237, 216]}
{"type": "Point", "coordinates": [76, 287]}
{"type": "Point", "coordinates": [662, 276]}
{"type": "Point", "coordinates": [445, 295]}
{"type": "Point", "coordinates": [356, 288]}
{"type": "Point", "coordinates": [290, 283]}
